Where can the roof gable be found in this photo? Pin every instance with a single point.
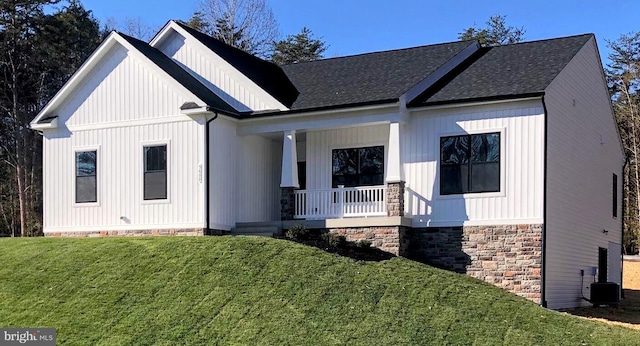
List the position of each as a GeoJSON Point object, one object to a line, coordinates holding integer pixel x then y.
{"type": "Point", "coordinates": [173, 72]}
{"type": "Point", "coordinates": [264, 74]}
{"type": "Point", "coordinates": [181, 76]}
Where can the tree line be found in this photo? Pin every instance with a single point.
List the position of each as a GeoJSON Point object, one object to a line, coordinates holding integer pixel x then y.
{"type": "Point", "coordinates": [40, 51]}
{"type": "Point", "coordinates": [43, 42]}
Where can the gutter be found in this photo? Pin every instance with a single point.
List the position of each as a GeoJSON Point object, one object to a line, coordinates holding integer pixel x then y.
{"type": "Point", "coordinates": [543, 279]}
{"type": "Point", "coordinates": [207, 169]}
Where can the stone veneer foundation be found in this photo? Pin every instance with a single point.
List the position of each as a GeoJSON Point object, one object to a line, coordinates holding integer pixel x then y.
{"type": "Point", "coordinates": [133, 233]}
{"type": "Point", "coordinates": [387, 238]}
{"type": "Point", "coordinates": [508, 256]}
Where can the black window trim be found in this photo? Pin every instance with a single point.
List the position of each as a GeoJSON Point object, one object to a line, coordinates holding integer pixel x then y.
{"type": "Point", "coordinates": [501, 191]}
{"type": "Point", "coordinates": [360, 146]}
{"type": "Point", "coordinates": [85, 149]}
{"type": "Point", "coordinates": [143, 170]}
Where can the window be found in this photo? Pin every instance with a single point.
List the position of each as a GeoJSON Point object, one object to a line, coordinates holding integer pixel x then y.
{"type": "Point", "coordinates": [86, 173]}
{"type": "Point", "coordinates": [615, 195]}
{"type": "Point", "coordinates": [470, 164]}
{"type": "Point", "coordinates": [302, 174]}
{"type": "Point", "coordinates": [155, 172]}
{"type": "Point", "coordinates": [358, 166]}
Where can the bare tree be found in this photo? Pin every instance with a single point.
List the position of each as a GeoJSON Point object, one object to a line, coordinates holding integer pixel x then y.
{"type": "Point", "coordinates": [135, 27]}
{"type": "Point", "coordinates": [623, 74]}
{"type": "Point", "coordinates": [246, 24]}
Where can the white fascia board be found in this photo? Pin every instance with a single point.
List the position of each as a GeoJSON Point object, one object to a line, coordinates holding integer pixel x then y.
{"type": "Point", "coordinates": [40, 127]}
{"type": "Point", "coordinates": [472, 104]}
{"type": "Point", "coordinates": [77, 77]}
{"type": "Point", "coordinates": [322, 120]}
{"type": "Point", "coordinates": [162, 34]}
{"type": "Point", "coordinates": [172, 25]}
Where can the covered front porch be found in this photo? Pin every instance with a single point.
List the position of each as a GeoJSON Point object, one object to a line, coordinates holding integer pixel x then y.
{"type": "Point", "coordinates": [353, 172]}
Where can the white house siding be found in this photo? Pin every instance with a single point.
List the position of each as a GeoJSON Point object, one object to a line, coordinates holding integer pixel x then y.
{"type": "Point", "coordinates": [520, 198]}
{"type": "Point", "coordinates": [216, 73]}
{"type": "Point", "coordinates": [321, 143]}
{"type": "Point", "coordinates": [222, 174]}
{"type": "Point", "coordinates": [259, 166]}
{"type": "Point", "coordinates": [123, 87]}
{"type": "Point", "coordinates": [245, 176]}
{"type": "Point", "coordinates": [120, 179]}
{"type": "Point", "coordinates": [583, 153]}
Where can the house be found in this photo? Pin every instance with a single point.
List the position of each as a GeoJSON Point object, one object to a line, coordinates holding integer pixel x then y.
{"type": "Point", "coordinates": [501, 162]}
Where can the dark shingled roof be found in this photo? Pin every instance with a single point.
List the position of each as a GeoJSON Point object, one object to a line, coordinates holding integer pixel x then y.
{"type": "Point", "coordinates": [515, 70]}
{"type": "Point", "coordinates": [181, 76]}
{"type": "Point", "coordinates": [267, 75]}
{"type": "Point", "coordinates": [367, 78]}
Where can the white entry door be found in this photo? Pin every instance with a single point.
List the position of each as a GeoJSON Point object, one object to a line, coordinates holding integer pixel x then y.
{"type": "Point", "coordinates": [615, 263]}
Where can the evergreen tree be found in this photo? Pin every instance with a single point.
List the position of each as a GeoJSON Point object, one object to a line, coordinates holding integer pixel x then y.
{"type": "Point", "coordinates": [298, 48]}
{"type": "Point", "coordinates": [38, 53]}
{"type": "Point", "coordinates": [496, 32]}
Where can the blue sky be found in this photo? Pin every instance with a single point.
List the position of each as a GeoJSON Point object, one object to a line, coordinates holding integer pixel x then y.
{"type": "Point", "coordinates": [352, 27]}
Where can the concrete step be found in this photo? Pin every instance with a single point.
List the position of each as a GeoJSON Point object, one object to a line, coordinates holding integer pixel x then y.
{"type": "Point", "coordinates": [264, 231]}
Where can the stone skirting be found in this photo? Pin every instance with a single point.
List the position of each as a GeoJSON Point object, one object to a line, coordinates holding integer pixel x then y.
{"type": "Point", "coordinates": [193, 232]}
{"type": "Point", "coordinates": [508, 256]}
{"type": "Point", "coordinates": [287, 203]}
{"type": "Point", "coordinates": [385, 238]}
{"type": "Point", "coordinates": [395, 199]}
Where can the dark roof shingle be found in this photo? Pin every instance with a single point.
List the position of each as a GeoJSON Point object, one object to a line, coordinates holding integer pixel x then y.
{"type": "Point", "coordinates": [366, 78]}
{"type": "Point", "coordinates": [509, 71]}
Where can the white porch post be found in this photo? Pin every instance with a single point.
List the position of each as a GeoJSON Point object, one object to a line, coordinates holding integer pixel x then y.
{"type": "Point", "coordinates": [289, 179]}
{"type": "Point", "coordinates": [395, 171]}
{"type": "Point", "coordinates": [289, 161]}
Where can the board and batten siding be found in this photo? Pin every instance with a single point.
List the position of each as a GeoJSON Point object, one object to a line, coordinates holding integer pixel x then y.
{"type": "Point", "coordinates": [521, 124]}
{"type": "Point", "coordinates": [123, 104]}
{"type": "Point", "coordinates": [583, 154]}
{"type": "Point", "coordinates": [122, 88]}
{"type": "Point", "coordinates": [321, 143]}
{"type": "Point", "coordinates": [217, 74]}
{"type": "Point", "coordinates": [120, 168]}
{"type": "Point", "coordinates": [245, 176]}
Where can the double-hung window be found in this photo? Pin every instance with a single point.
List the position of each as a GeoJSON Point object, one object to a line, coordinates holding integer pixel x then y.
{"type": "Point", "coordinates": [86, 176]}
{"type": "Point", "coordinates": [470, 163]}
{"type": "Point", "coordinates": [155, 172]}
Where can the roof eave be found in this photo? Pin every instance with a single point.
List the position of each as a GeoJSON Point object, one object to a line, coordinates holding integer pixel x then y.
{"type": "Point", "coordinates": [390, 102]}
{"type": "Point", "coordinates": [479, 100]}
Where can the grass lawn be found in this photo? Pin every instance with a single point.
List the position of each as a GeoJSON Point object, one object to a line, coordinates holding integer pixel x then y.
{"type": "Point", "coordinates": [627, 312]}
{"type": "Point", "coordinates": [260, 291]}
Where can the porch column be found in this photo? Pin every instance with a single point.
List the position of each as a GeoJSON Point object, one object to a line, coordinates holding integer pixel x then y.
{"type": "Point", "coordinates": [395, 172]}
{"type": "Point", "coordinates": [289, 179]}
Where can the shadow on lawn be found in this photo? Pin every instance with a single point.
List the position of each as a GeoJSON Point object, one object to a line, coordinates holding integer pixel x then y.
{"type": "Point", "coordinates": [627, 311]}
{"type": "Point", "coordinates": [344, 248]}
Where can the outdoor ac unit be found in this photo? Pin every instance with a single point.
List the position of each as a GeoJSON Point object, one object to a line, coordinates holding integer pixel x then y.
{"type": "Point", "coordinates": [605, 293]}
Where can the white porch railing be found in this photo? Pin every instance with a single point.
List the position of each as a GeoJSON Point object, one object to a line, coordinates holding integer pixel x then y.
{"type": "Point", "coordinates": [341, 202]}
